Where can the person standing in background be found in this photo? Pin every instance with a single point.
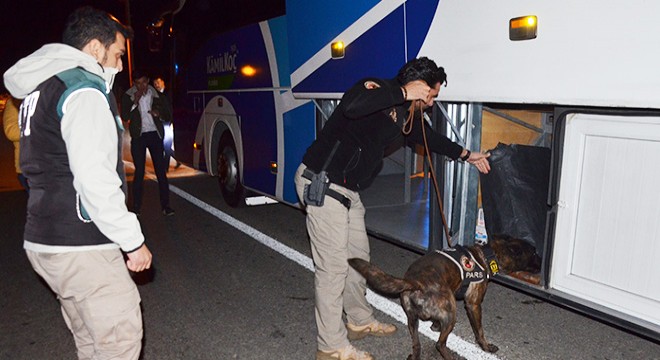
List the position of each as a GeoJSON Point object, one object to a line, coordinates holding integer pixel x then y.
{"type": "Point", "coordinates": [13, 133]}
{"type": "Point", "coordinates": [146, 110]}
{"type": "Point", "coordinates": [168, 136]}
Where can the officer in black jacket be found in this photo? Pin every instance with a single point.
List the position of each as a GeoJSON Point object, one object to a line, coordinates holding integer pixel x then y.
{"type": "Point", "coordinates": [348, 154]}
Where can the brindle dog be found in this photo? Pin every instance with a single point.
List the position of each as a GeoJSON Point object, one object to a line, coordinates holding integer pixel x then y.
{"type": "Point", "coordinates": [428, 288]}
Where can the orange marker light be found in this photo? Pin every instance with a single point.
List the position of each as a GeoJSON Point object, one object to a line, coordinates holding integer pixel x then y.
{"type": "Point", "coordinates": [248, 70]}
{"type": "Point", "coordinates": [523, 22]}
{"type": "Point", "coordinates": [337, 49]}
{"type": "Point", "coordinates": [523, 28]}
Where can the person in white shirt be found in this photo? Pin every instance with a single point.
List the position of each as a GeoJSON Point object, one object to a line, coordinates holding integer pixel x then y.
{"type": "Point", "coordinates": [146, 110]}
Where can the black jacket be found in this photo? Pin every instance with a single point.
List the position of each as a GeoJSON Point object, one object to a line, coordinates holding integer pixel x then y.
{"type": "Point", "coordinates": [131, 113]}
{"type": "Point", "coordinates": [366, 123]}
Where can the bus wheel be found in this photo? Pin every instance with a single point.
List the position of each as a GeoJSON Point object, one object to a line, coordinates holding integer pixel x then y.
{"type": "Point", "coordinates": [228, 175]}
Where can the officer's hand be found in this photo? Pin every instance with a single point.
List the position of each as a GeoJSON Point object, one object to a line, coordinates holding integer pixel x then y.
{"type": "Point", "coordinates": [480, 161]}
{"type": "Point", "coordinates": [139, 259]}
{"type": "Point", "coordinates": [417, 90]}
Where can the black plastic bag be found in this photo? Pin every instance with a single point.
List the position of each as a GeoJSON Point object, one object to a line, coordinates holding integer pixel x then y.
{"type": "Point", "coordinates": [515, 193]}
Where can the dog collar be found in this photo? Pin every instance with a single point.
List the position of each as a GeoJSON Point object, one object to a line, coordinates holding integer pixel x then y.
{"type": "Point", "coordinates": [491, 259]}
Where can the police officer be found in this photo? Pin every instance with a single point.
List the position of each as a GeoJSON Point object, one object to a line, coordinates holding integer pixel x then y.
{"type": "Point", "coordinates": [348, 154]}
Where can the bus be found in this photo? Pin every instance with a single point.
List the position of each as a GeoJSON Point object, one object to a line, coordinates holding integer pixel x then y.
{"type": "Point", "coordinates": [572, 79]}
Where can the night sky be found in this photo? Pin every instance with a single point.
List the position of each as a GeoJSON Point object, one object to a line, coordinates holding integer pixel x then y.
{"type": "Point", "coordinates": [29, 24]}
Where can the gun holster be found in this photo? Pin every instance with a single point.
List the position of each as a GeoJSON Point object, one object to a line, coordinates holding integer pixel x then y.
{"type": "Point", "coordinates": [314, 193]}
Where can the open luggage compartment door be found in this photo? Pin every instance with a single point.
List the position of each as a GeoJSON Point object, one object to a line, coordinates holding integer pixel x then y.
{"type": "Point", "coordinates": [607, 235]}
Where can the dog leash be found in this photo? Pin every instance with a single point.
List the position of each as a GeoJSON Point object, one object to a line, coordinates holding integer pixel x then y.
{"type": "Point", "coordinates": [407, 128]}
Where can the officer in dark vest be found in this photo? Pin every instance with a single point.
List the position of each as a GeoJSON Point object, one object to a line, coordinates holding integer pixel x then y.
{"type": "Point", "coordinates": [77, 220]}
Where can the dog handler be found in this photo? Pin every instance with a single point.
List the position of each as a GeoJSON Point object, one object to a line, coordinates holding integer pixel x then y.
{"type": "Point", "coordinates": [348, 155]}
{"type": "Point", "coordinates": [77, 220]}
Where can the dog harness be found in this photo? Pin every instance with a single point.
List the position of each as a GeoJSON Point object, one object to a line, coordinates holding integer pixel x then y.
{"type": "Point", "coordinates": [470, 269]}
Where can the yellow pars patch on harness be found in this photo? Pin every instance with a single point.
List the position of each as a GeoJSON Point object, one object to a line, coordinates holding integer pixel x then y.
{"type": "Point", "coordinates": [371, 85]}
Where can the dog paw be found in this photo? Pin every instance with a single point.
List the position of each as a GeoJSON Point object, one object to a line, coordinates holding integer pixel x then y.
{"type": "Point", "coordinates": [491, 348]}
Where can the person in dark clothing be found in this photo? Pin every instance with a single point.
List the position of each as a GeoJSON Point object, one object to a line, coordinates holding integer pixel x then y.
{"type": "Point", "coordinates": [350, 150]}
{"type": "Point", "coordinates": [13, 133]}
{"type": "Point", "coordinates": [168, 138]}
{"type": "Point", "coordinates": [146, 110]}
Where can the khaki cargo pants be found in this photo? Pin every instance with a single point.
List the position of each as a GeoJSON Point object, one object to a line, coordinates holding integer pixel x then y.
{"type": "Point", "coordinates": [337, 234]}
{"type": "Point", "coordinates": [99, 300]}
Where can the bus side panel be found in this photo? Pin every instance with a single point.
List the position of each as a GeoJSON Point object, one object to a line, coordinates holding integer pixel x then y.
{"type": "Point", "coordinates": [299, 132]}
{"type": "Point", "coordinates": [372, 54]}
{"type": "Point", "coordinates": [256, 111]}
{"type": "Point", "coordinates": [377, 44]}
{"type": "Point", "coordinates": [217, 67]}
{"type": "Point", "coordinates": [186, 119]}
{"type": "Point", "coordinates": [313, 24]}
{"type": "Point", "coordinates": [219, 62]}
{"type": "Point", "coordinates": [586, 53]}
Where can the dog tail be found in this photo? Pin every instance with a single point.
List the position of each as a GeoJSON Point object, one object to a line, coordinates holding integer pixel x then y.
{"type": "Point", "coordinates": [378, 279]}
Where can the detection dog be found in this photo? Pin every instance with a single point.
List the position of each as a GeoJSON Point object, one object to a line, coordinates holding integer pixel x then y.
{"type": "Point", "coordinates": [431, 285]}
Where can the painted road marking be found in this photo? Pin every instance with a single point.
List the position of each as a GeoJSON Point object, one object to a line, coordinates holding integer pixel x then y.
{"type": "Point", "coordinates": [455, 343]}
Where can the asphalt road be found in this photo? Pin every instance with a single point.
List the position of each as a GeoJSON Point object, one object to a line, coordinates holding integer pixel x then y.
{"type": "Point", "coordinates": [235, 284]}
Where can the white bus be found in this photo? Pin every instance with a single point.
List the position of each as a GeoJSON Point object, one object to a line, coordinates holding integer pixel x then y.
{"type": "Point", "coordinates": [580, 79]}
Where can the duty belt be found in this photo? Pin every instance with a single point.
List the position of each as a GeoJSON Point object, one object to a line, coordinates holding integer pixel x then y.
{"type": "Point", "coordinates": [307, 174]}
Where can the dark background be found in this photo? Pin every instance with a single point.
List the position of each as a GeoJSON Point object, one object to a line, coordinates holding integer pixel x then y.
{"type": "Point", "coordinates": [29, 24]}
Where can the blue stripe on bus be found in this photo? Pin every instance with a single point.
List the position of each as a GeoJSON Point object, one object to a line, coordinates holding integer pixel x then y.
{"type": "Point", "coordinates": [318, 22]}
{"type": "Point", "coordinates": [419, 14]}
{"type": "Point", "coordinates": [278, 30]}
{"type": "Point", "coordinates": [299, 132]}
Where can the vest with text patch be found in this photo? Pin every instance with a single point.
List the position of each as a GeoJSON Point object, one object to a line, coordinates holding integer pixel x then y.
{"type": "Point", "coordinates": [471, 271]}
{"type": "Point", "coordinates": [55, 214]}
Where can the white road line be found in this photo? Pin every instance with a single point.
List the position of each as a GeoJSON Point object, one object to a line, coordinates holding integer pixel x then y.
{"type": "Point", "coordinates": [455, 343]}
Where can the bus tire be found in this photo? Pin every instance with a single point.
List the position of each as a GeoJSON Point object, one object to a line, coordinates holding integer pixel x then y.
{"type": "Point", "coordinates": [229, 177]}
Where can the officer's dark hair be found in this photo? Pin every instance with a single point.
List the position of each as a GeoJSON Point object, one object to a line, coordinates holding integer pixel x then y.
{"type": "Point", "coordinates": [422, 69]}
{"type": "Point", "coordinates": [87, 23]}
